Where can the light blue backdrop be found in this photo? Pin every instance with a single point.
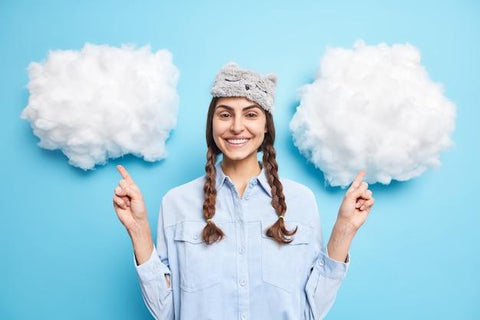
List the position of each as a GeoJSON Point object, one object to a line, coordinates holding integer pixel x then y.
{"type": "Point", "coordinates": [66, 256]}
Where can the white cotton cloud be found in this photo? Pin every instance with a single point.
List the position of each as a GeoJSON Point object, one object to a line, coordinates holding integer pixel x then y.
{"type": "Point", "coordinates": [103, 102]}
{"type": "Point", "coordinates": [372, 108]}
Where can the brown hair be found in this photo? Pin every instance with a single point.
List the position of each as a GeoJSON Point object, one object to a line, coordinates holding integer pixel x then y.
{"type": "Point", "coordinates": [278, 231]}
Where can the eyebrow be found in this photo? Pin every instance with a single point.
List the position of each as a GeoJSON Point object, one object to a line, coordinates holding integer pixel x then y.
{"type": "Point", "coordinates": [230, 108]}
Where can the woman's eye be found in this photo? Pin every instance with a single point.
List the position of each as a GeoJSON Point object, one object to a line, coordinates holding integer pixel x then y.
{"type": "Point", "coordinates": [251, 115]}
{"type": "Point", "coordinates": [224, 115]}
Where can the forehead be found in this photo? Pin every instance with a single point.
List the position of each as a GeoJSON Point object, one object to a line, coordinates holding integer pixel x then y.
{"type": "Point", "coordinates": [235, 102]}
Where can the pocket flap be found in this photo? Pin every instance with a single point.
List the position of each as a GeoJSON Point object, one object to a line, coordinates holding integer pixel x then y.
{"type": "Point", "coordinates": [189, 231]}
{"type": "Point", "coordinates": [302, 236]}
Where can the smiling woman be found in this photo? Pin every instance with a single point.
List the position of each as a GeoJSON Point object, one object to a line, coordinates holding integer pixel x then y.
{"type": "Point", "coordinates": [227, 247]}
{"type": "Point", "coordinates": [238, 130]}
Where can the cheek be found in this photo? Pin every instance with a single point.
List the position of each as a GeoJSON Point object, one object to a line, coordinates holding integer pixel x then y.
{"type": "Point", "coordinates": [258, 129]}
{"type": "Point", "coordinates": [259, 135]}
{"type": "Point", "coordinates": [262, 137]}
{"type": "Point", "coordinates": [218, 130]}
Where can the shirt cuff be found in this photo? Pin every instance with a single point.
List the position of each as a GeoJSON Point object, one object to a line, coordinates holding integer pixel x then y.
{"type": "Point", "coordinates": [332, 268]}
{"type": "Point", "coordinates": [152, 269]}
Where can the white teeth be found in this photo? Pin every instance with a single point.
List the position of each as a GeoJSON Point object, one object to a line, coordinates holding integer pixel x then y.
{"type": "Point", "coordinates": [237, 141]}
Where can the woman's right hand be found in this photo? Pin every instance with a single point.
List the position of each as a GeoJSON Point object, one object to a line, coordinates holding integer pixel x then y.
{"type": "Point", "coordinates": [128, 203]}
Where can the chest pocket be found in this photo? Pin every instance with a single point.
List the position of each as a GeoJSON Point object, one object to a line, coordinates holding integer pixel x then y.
{"type": "Point", "coordinates": [199, 263]}
{"type": "Point", "coordinates": [284, 265]}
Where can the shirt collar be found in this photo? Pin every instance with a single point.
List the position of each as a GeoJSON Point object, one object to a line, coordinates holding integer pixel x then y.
{"type": "Point", "coordinates": [261, 178]}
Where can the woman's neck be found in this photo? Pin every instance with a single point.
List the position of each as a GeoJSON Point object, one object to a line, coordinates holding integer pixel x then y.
{"type": "Point", "coordinates": [241, 171]}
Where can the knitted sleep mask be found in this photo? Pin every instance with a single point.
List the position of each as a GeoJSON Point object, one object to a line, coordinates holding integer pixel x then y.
{"type": "Point", "coordinates": [231, 81]}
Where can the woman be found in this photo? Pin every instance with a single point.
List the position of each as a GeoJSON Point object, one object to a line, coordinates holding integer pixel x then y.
{"type": "Point", "coordinates": [240, 242]}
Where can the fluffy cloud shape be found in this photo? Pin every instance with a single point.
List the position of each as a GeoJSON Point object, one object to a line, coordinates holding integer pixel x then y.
{"type": "Point", "coordinates": [372, 108]}
{"type": "Point", "coordinates": [103, 102]}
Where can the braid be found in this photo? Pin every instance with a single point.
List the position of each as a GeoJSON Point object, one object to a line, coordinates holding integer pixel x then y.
{"type": "Point", "coordinates": [278, 231]}
{"type": "Point", "coordinates": [211, 232]}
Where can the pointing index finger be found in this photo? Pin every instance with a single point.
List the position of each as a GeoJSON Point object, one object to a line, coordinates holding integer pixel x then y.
{"type": "Point", "coordinates": [358, 179]}
{"type": "Point", "coordinates": [125, 174]}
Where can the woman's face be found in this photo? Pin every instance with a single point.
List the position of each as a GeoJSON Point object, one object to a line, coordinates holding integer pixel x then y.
{"type": "Point", "coordinates": [239, 127]}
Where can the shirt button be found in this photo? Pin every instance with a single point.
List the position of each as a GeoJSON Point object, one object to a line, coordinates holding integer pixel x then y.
{"type": "Point", "coordinates": [320, 262]}
{"type": "Point", "coordinates": [243, 282]}
{"type": "Point", "coordinates": [195, 237]}
{"type": "Point", "coordinates": [244, 317]}
{"type": "Point", "coordinates": [241, 251]}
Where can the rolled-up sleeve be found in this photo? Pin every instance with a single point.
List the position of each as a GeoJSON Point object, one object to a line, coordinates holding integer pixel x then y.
{"type": "Point", "coordinates": [323, 284]}
{"type": "Point", "coordinates": [157, 297]}
{"type": "Point", "coordinates": [326, 274]}
{"type": "Point", "coordinates": [151, 275]}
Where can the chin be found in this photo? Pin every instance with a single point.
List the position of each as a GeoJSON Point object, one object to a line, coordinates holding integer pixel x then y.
{"type": "Point", "coordinates": [238, 156]}
{"type": "Point", "coordinates": [235, 157]}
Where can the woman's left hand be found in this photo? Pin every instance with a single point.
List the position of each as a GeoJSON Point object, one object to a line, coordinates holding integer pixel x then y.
{"type": "Point", "coordinates": [356, 204]}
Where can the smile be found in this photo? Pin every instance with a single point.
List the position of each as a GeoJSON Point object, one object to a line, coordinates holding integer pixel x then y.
{"type": "Point", "coordinates": [237, 142]}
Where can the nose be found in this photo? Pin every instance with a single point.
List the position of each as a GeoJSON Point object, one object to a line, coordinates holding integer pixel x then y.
{"type": "Point", "coordinates": [237, 125]}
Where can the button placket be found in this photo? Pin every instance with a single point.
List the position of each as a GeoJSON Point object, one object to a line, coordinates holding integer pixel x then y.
{"type": "Point", "coordinates": [242, 263]}
{"type": "Point", "coordinates": [249, 189]}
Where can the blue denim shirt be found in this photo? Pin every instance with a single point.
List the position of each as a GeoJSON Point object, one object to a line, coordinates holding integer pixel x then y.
{"type": "Point", "coordinates": [246, 275]}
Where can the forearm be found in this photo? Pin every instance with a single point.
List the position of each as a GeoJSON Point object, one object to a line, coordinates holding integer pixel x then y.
{"type": "Point", "coordinates": [340, 240]}
{"type": "Point", "coordinates": [142, 242]}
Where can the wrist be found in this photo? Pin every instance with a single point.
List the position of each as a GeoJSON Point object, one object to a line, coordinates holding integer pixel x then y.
{"type": "Point", "coordinates": [344, 228]}
{"type": "Point", "coordinates": [139, 231]}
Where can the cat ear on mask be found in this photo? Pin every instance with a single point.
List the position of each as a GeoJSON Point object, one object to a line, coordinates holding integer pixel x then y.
{"type": "Point", "coordinates": [272, 77]}
{"type": "Point", "coordinates": [231, 65]}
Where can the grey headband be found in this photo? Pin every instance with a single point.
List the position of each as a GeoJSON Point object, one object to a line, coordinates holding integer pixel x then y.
{"type": "Point", "coordinates": [231, 81]}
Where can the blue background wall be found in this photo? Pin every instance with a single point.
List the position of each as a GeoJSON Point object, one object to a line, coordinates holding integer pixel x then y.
{"type": "Point", "coordinates": [65, 254]}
